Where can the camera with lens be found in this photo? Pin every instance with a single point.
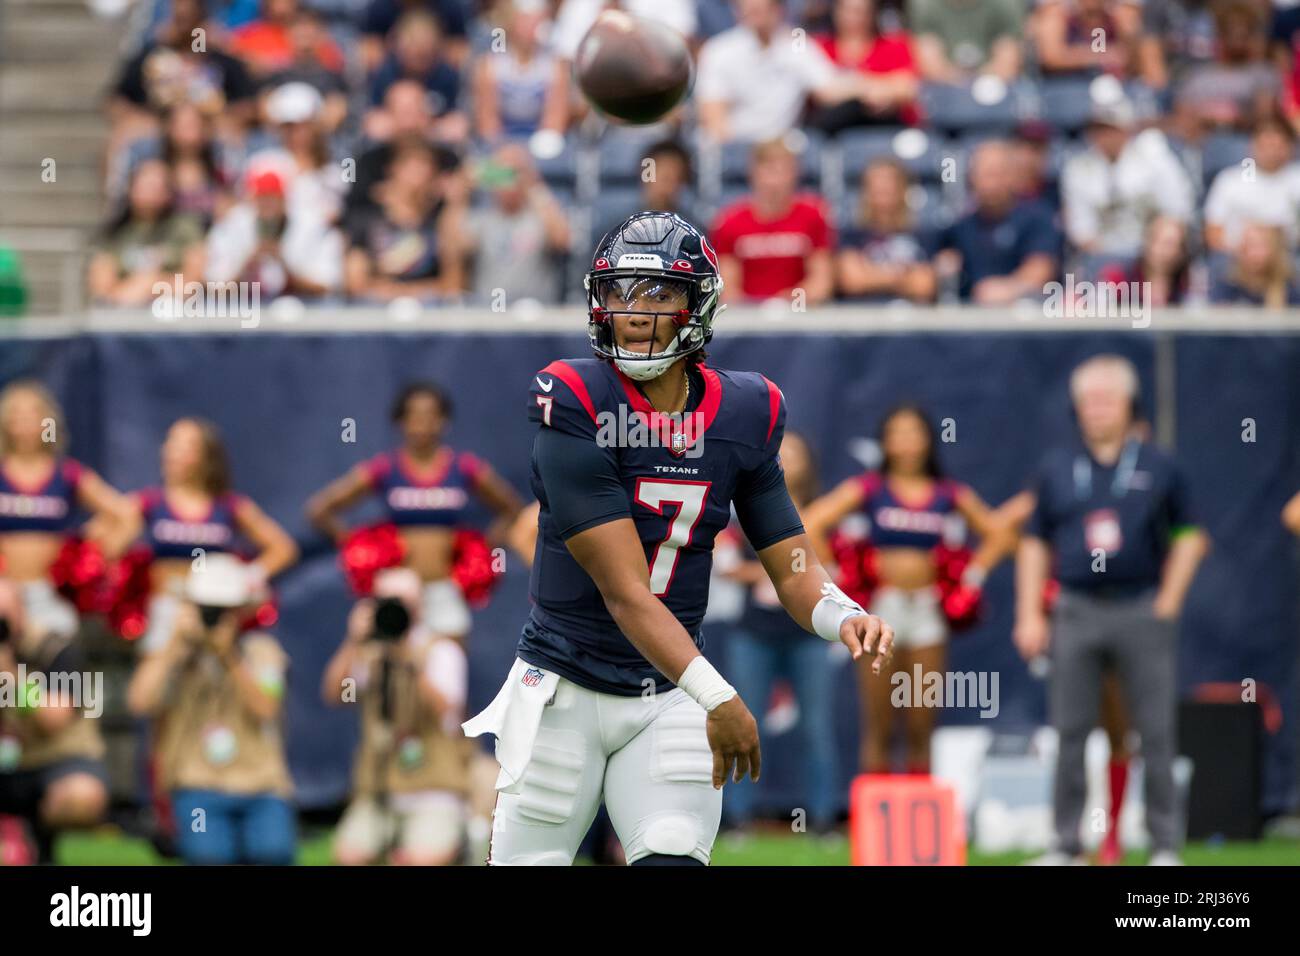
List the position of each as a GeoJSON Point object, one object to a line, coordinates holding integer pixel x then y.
{"type": "Point", "coordinates": [221, 584]}
{"type": "Point", "coordinates": [210, 614]}
{"type": "Point", "coordinates": [392, 620]}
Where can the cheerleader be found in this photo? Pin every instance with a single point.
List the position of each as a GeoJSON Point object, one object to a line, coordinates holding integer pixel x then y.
{"type": "Point", "coordinates": [53, 760]}
{"type": "Point", "coordinates": [425, 487]}
{"type": "Point", "coordinates": [41, 490]}
{"type": "Point", "coordinates": [194, 513]}
{"type": "Point", "coordinates": [911, 509]}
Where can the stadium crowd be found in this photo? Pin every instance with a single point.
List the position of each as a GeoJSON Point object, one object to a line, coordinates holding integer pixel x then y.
{"type": "Point", "coordinates": [856, 150]}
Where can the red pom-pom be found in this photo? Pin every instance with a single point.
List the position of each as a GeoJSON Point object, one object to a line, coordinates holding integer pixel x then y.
{"type": "Point", "coordinates": [961, 603]}
{"type": "Point", "coordinates": [472, 567]}
{"type": "Point", "coordinates": [950, 564]}
{"type": "Point", "coordinates": [78, 574]}
{"type": "Point", "coordinates": [961, 606]}
{"type": "Point", "coordinates": [366, 552]}
{"type": "Point", "coordinates": [127, 586]}
{"type": "Point", "coordinates": [261, 617]}
{"type": "Point", "coordinates": [129, 623]}
{"type": "Point", "coordinates": [856, 566]}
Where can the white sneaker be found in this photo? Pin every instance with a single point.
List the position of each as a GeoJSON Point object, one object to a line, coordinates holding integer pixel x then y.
{"type": "Point", "coordinates": [1057, 858]}
{"type": "Point", "coordinates": [1165, 858]}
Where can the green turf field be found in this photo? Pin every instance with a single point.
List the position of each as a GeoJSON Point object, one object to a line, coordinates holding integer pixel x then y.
{"type": "Point", "coordinates": [106, 847]}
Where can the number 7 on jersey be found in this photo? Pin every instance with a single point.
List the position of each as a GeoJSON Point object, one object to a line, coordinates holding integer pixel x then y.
{"type": "Point", "coordinates": [691, 496]}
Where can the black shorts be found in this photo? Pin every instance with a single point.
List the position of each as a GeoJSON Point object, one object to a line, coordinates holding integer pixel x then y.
{"type": "Point", "coordinates": [21, 790]}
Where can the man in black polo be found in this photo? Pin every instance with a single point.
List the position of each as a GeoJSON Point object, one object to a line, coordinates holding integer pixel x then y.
{"type": "Point", "coordinates": [1111, 516]}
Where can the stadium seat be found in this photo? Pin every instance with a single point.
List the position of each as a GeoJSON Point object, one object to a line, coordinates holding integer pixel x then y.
{"type": "Point", "coordinates": [612, 206]}
{"type": "Point", "coordinates": [735, 163]}
{"type": "Point", "coordinates": [565, 197]}
{"type": "Point", "coordinates": [1190, 156]}
{"type": "Point", "coordinates": [810, 157]}
{"type": "Point", "coordinates": [621, 153]}
{"type": "Point", "coordinates": [1059, 152]}
{"type": "Point", "coordinates": [1066, 103]}
{"type": "Point", "coordinates": [953, 108]}
{"type": "Point", "coordinates": [341, 9]}
{"type": "Point", "coordinates": [732, 194]}
{"type": "Point", "coordinates": [859, 147]}
{"type": "Point", "coordinates": [1222, 150]}
{"type": "Point", "coordinates": [560, 171]}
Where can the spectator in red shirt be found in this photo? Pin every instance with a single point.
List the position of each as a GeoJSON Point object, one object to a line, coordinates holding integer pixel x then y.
{"type": "Point", "coordinates": [776, 242]}
{"type": "Point", "coordinates": [889, 75]}
{"type": "Point", "coordinates": [266, 44]}
{"type": "Point", "coordinates": [1285, 39]}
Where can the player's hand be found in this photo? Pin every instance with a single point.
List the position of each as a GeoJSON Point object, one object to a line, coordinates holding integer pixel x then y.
{"type": "Point", "coordinates": [1031, 636]}
{"type": "Point", "coordinates": [733, 738]}
{"type": "Point", "coordinates": [866, 634]}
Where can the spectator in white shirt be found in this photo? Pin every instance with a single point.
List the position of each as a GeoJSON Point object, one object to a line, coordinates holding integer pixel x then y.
{"type": "Point", "coordinates": [754, 79]}
{"type": "Point", "coordinates": [1110, 191]}
{"type": "Point", "coordinates": [1263, 189]}
{"type": "Point", "coordinates": [313, 182]}
{"type": "Point", "coordinates": [287, 252]}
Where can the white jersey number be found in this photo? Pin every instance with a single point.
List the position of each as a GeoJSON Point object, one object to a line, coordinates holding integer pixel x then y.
{"type": "Point", "coordinates": [654, 493]}
{"type": "Point", "coordinates": [545, 401]}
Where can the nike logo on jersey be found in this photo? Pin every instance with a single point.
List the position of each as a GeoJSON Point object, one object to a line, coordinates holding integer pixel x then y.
{"type": "Point", "coordinates": [545, 386]}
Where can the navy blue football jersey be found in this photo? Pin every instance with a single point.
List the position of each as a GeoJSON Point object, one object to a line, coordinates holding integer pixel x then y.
{"type": "Point", "coordinates": [677, 486]}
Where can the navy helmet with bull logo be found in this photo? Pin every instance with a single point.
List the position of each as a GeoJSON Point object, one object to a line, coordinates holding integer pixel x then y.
{"type": "Point", "coordinates": [648, 252]}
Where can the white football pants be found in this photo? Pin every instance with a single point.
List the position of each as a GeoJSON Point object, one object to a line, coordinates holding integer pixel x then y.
{"type": "Point", "coordinates": [648, 759]}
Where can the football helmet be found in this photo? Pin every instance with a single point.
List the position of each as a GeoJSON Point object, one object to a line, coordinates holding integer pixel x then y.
{"type": "Point", "coordinates": [647, 253]}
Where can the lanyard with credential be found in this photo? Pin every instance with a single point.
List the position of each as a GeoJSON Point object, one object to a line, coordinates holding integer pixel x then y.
{"type": "Point", "coordinates": [1123, 471]}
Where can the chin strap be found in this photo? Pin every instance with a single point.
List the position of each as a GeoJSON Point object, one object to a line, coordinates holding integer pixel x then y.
{"type": "Point", "coordinates": [651, 366]}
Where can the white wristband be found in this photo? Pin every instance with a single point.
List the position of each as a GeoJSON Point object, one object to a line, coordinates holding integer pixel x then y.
{"type": "Point", "coordinates": [833, 610]}
{"type": "Point", "coordinates": [704, 684]}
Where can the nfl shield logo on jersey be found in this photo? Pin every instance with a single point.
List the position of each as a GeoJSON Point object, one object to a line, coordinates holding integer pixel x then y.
{"type": "Point", "coordinates": [679, 443]}
{"type": "Point", "coordinates": [532, 677]}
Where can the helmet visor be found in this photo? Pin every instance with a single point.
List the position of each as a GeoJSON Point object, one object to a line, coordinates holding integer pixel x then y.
{"type": "Point", "coordinates": [645, 294]}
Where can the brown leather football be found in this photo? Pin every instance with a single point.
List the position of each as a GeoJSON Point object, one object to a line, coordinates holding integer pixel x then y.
{"type": "Point", "coordinates": [633, 69]}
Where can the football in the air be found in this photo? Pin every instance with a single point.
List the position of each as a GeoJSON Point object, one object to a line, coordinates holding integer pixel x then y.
{"type": "Point", "coordinates": [633, 69]}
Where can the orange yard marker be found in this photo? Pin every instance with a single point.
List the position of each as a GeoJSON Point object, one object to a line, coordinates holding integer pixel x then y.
{"type": "Point", "coordinates": [904, 821]}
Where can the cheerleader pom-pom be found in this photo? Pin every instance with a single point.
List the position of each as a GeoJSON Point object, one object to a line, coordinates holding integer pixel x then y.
{"type": "Point", "coordinates": [366, 552]}
{"type": "Point", "coordinates": [78, 574]}
{"type": "Point", "coordinates": [472, 567]}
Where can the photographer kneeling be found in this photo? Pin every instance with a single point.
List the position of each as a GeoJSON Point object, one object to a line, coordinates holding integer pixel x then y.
{"type": "Point", "coordinates": [411, 773]}
{"type": "Point", "coordinates": [51, 753]}
{"type": "Point", "coordinates": [217, 694]}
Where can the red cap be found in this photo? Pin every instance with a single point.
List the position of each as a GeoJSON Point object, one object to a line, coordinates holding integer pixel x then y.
{"type": "Point", "coordinates": [266, 183]}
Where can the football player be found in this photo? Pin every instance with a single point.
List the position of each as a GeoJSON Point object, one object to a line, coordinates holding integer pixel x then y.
{"type": "Point", "coordinates": [640, 455]}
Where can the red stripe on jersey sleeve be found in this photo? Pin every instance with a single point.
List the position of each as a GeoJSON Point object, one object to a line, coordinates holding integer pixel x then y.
{"type": "Point", "coordinates": [566, 374]}
{"type": "Point", "coordinates": [773, 407]}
